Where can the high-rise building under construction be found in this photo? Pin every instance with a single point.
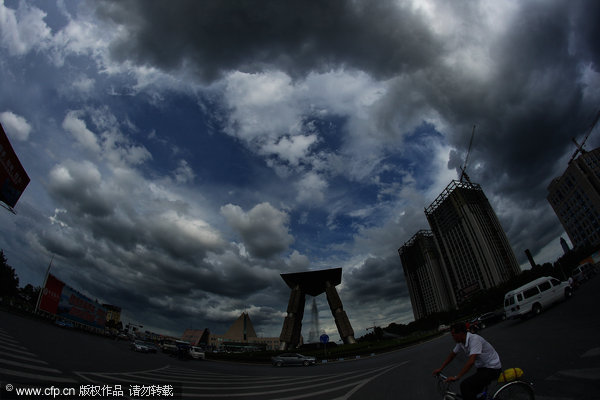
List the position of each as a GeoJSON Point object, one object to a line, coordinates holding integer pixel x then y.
{"type": "Point", "coordinates": [427, 283]}
{"type": "Point", "coordinates": [471, 252]}
{"type": "Point", "coordinates": [575, 198]}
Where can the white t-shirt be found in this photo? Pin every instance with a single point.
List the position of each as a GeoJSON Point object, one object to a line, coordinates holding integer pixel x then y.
{"type": "Point", "coordinates": [475, 344]}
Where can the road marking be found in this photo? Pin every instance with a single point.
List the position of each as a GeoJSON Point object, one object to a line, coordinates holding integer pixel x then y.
{"type": "Point", "coordinates": [325, 380]}
{"type": "Point", "coordinates": [14, 344]}
{"type": "Point", "coordinates": [592, 352]}
{"type": "Point", "coordinates": [552, 398]}
{"type": "Point", "coordinates": [18, 357]}
{"type": "Point", "coordinates": [231, 386]}
{"type": "Point", "coordinates": [270, 392]}
{"type": "Point", "coordinates": [112, 375]}
{"type": "Point", "coordinates": [108, 376]}
{"type": "Point", "coordinates": [357, 388]}
{"type": "Point", "coordinates": [15, 352]}
{"type": "Point", "coordinates": [28, 366]}
{"type": "Point", "coordinates": [7, 338]}
{"type": "Point", "coordinates": [308, 394]}
{"type": "Point", "coordinates": [12, 348]}
{"type": "Point", "coordinates": [584, 374]}
{"type": "Point", "coordinates": [36, 376]}
{"type": "Point", "coordinates": [217, 381]}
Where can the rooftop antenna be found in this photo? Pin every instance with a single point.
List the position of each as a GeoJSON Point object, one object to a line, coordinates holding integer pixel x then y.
{"type": "Point", "coordinates": [463, 169]}
{"type": "Point", "coordinates": [580, 148]}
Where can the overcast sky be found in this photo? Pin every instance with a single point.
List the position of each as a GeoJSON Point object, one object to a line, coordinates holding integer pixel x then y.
{"type": "Point", "coordinates": [184, 154]}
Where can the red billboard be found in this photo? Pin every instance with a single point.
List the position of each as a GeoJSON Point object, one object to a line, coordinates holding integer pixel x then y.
{"type": "Point", "coordinates": [13, 178]}
{"type": "Point", "coordinates": [51, 294]}
{"type": "Point", "coordinates": [66, 302]}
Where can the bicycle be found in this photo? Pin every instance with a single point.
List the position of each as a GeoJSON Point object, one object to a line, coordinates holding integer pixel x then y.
{"type": "Point", "coordinates": [514, 390]}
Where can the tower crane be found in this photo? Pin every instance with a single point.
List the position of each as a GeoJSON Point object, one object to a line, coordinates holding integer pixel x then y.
{"type": "Point", "coordinates": [580, 148]}
{"type": "Point", "coordinates": [463, 169]}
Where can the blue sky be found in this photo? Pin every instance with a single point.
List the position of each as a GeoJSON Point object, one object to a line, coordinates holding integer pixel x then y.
{"type": "Point", "coordinates": [183, 155]}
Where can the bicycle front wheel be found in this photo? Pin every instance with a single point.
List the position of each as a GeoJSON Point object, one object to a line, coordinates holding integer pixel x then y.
{"type": "Point", "coordinates": [515, 391]}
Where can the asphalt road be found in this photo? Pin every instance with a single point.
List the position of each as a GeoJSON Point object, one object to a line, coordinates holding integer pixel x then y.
{"type": "Point", "coordinates": [559, 351]}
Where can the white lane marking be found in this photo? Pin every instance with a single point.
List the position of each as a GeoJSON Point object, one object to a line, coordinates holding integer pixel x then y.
{"type": "Point", "coordinates": [14, 350]}
{"type": "Point", "coordinates": [18, 357]}
{"type": "Point", "coordinates": [595, 352]}
{"type": "Point", "coordinates": [357, 388]}
{"type": "Point", "coordinates": [36, 376]}
{"type": "Point", "coordinates": [592, 374]}
{"type": "Point", "coordinates": [28, 366]}
{"type": "Point", "coordinates": [304, 395]}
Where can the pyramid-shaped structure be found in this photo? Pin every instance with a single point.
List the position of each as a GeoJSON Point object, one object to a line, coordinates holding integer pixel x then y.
{"type": "Point", "coordinates": [241, 330]}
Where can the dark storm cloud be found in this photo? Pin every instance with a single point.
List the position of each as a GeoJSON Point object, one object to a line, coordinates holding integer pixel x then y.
{"type": "Point", "coordinates": [208, 38]}
{"type": "Point", "coordinates": [78, 185]}
{"type": "Point", "coordinates": [587, 30]}
{"type": "Point", "coordinates": [527, 113]}
{"type": "Point", "coordinates": [264, 229]}
{"type": "Point", "coordinates": [377, 280]}
{"type": "Point", "coordinates": [534, 102]}
{"type": "Point", "coordinates": [65, 246]}
{"type": "Point", "coordinates": [527, 108]}
{"type": "Point", "coordinates": [526, 90]}
{"type": "Point", "coordinates": [175, 262]}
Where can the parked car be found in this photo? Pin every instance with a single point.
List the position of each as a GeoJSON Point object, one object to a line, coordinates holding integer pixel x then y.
{"type": "Point", "coordinates": [583, 272]}
{"type": "Point", "coordinates": [532, 297]}
{"type": "Point", "coordinates": [169, 348]}
{"type": "Point", "coordinates": [197, 353]}
{"type": "Point", "coordinates": [152, 348]}
{"type": "Point", "coordinates": [64, 324]}
{"type": "Point", "coordinates": [292, 359]}
{"type": "Point", "coordinates": [142, 347]}
{"type": "Point", "coordinates": [489, 318]}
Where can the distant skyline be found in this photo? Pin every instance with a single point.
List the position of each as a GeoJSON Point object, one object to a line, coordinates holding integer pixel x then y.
{"type": "Point", "coordinates": [183, 155]}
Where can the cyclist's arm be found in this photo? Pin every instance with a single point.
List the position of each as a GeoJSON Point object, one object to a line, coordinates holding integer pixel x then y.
{"type": "Point", "coordinates": [465, 368]}
{"type": "Point", "coordinates": [448, 361]}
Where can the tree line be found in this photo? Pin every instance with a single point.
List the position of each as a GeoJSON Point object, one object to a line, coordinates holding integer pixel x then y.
{"type": "Point", "coordinates": [11, 294]}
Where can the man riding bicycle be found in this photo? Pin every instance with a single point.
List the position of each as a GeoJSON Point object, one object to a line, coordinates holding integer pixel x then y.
{"type": "Point", "coordinates": [481, 354]}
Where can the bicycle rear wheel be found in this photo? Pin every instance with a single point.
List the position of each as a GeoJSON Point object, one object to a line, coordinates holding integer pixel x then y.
{"type": "Point", "coordinates": [515, 391]}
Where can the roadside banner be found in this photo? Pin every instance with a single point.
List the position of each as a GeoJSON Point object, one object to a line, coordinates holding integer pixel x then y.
{"type": "Point", "coordinates": [51, 294]}
{"type": "Point", "coordinates": [77, 307]}
{"type": "Point", "coordinates": [65, 302]}
{"type": "Point", "coordinates": [13, 178]}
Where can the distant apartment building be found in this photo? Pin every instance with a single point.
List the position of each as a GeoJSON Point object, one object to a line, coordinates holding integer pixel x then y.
{"type": "Point", "coordinates": [466, 252]}
{"type": "Point", "coordinates": [424, 275]}
{"type": "Point", "coordinates": [575, 198]}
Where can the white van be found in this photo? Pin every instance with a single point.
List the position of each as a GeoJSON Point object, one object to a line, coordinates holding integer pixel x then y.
{"type": "Point", "coordinates": [534, 296]}
{"type": "Point", "coordinates": [583, 272]}
{"type": "Point", "coordinates": [197, 353]}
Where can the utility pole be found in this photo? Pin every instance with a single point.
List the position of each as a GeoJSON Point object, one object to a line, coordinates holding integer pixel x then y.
{"type": "Point", "coordinates": [37, 305]}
